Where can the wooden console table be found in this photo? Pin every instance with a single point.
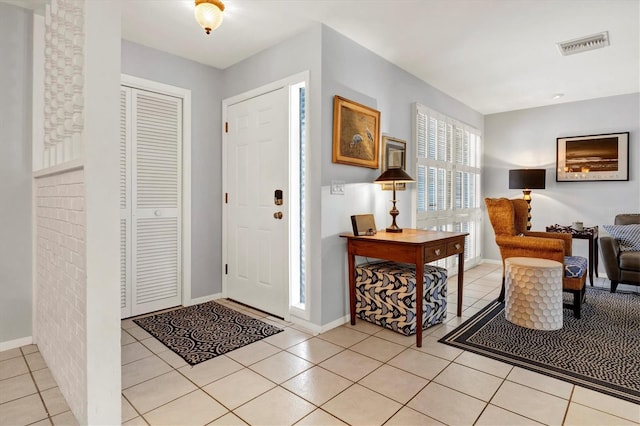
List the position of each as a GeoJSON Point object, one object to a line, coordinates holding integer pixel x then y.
{"type": "Point", "coordinates": [410, 246]}
{"type": "Point", "coordinates": [587, 233]}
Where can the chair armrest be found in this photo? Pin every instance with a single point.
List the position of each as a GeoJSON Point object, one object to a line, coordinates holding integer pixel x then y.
{"type": "Point", "coordinates": [525, 246]}
{"type": "Point", "coordinates": [610, 251]}
{"type": "Point", "coordinates": [567, 238]}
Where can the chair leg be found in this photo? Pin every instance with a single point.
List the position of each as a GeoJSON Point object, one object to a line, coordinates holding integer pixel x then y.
{"type": "Point", "coordinates": [614, 285]}
{"type": "Point", "coordinates": [502, 292]}
{"type": "Point", "coordinates": [577, 302]}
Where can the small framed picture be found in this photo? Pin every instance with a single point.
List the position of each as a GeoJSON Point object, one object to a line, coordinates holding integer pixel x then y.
{"type": "Point", "coordinates": [356, 134]}
{"type": "Point", "coordinates": [394, 155]}
{"type": "Point", "coordinates": [593, 158]}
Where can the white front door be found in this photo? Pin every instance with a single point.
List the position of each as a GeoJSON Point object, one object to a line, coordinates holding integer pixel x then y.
{"type": "Point", "coordinates": [257, 164]}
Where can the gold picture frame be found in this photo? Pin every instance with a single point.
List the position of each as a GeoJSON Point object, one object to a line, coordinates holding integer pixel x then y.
{"type": "Point", "coordinates": [394, 155]}
{"type": "Point", "coordinates": [356, 134]}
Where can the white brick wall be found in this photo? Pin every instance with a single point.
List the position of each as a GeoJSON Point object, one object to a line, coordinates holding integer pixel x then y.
{"type": "Point", "coordinates": [60, 328]}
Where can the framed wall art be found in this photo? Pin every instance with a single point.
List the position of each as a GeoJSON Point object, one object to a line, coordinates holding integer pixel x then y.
{"type": "Point", "coordinates": [394, 155]}
{"type": "Point", "coordinates": [356, 134]}
{"type": "Point", "coordinates": [593, 158]}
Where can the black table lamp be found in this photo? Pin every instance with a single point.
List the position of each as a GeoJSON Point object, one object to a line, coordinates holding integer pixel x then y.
{"type": "Point", "coordinates": [527, 179]}
{"type": "Point", "coordinates": [394, 175]}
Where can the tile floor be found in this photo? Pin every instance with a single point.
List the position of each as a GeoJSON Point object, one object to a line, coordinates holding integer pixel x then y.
{"type": "Point", "coordinates": [359, 375]}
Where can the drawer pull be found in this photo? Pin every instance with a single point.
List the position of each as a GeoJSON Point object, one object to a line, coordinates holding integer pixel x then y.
{"type": "Point", "coordinates": [437, 252]}
{"type": "Point", "coordinates": [458, 246]}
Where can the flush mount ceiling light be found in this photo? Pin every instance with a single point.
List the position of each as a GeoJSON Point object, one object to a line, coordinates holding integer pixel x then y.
{"type": "Point", "coordinates": [584, 44]}
{"type": "Point", "coordinates": [209, 14]}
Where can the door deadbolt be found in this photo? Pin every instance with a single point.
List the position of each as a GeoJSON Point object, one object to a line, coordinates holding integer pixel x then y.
{"type": "Point", "coordinates": [278, 215]}
{"type": "Point", "coordinates": [277, 197]}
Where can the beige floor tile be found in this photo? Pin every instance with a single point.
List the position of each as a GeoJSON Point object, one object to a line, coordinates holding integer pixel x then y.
{"type": "Point", "coordinates": [431, 346]}
{"type": "Point", "coordinates": [320, 418]}
{"type": "Point", "coordinates": [315, 350]}
{"type": "Point", "coordinates": [128, 412]}
{"type": "Point", "coordinates": [487, 365]}
{"type": "Point", "coordinates": [137, 421]}
{"type": "Point", "coordinates": [144, 369]}
{"type": "Point", "coordinates": [363, 326]}
{"type": "Point", "coordinates": [394, 383]}
{"type": "Point", "coordinates": [44, 379]}
{"type": "Point", "coordinates": [377, 348]}
{"type": "Point", "coordinates": [16, 387]}
{"type": "Point", "coordinates": [211, 370]}
{"type": "Point", "coordinates": [441, 331]}
{"type": "Point", "coordinates": [54, 401]}
{"type": "Point", "coordinates": [496, 416]}
{"type": "Point", "coordinates": [133, 352]}
{"type": "Point", "coordinates": [289, 337]}
{"type": "Point", "coordinates": [281, 366]}
{"type": "Point", "coordinates": [137, 332]}
{"type": "Point", "coordinates": [154, 345]}
{"type": "Point", "coordinates": [43, 422]}
{"type": "Point", "coordinates": [125, 338]}
{"type": "Point", "coordinates": [173, 359]}
{"type": "Point", "coordinates": [11, 353]}
{"type": "Point", "coordinates": [409, 417]}
{"type": "Point", "coordinates": [65, 419]}
{"type": "Point", "coordinates": [419, 363]}
{"type": "Point", "coordinates": [276, 407]}
{"type": "Point", "coordinates": [606, 403]}
{"type": "Point", "coordinates": [35, 361]}
{"type": "Point", "coordinates": [127, 324]}
{"type": "Point", "coordinates": [13, 367]}
{"type": "Point", "coordinates": [447, 405]}
{"type": "Point", "coordinates": [351, 365]}
{"type": "Point", "coordinates": [228, 419]}
{"type": "Point", "coordinates": [252, 353]}
{"type": "Point", "coordinates": [317, 385]}
{"type": "Point", "coordinates": [396, 337]}
{"type": "Point", "coordinates": [22, 411]}
{"type": "Point", "coordinates": [579, 415]}
{"type": "Point", "coordinates": [238, 388]}
{"type": "Point", "coordinates": [541, 382]}
{"type": "Point", "coordinates": [196, 408]}
{"type": "Point", "coordinates": [469, 381]}
{"type": "Point", "coordinates": [158, 391]}
{"type": "Point", "coordinates": [343, 336]}
{"type": "Point", "coordinates": [531, 403]}
{"type": "Point", "coordinates": [29, 349]}
{"type": "Point", "coordinates": [360, 406]}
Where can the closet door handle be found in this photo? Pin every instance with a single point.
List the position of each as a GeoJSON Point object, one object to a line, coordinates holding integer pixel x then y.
{"type": "Point", "coordinates": [157, 213]}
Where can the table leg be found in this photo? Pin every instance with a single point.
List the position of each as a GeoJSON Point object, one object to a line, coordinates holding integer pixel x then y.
{"type": "Point", "coordinates": [460, 281]}
{"type": "Point", "coordinates": [419, 299]}
{"type": "Point", "coordinates": [591, 260]}
{"type": "Point", "coordinates": [595, 253]}
{"type": "Point", "coordinates": [352, 287]}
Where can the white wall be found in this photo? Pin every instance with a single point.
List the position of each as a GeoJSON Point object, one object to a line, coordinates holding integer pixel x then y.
{"type": "Point", "coordinates": [15, 176]}
{"type": "Point", "coordinates": [527, 139]}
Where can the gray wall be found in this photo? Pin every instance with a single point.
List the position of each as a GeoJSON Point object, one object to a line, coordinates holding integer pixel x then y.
{"type": "Point", "coordinates": [205, 84]}
{"type": "Point", "coordinates": [15, 172]}
{"type": "Point", "coordinates": [527, 138]}
{"type": "Point", "coordinates": [356, 73]}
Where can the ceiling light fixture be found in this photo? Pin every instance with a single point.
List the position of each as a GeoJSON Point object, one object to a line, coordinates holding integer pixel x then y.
{"type": "Point", "coordinates": [557, 96]}
{"type": "Point", "coordinates": [209, 14]}
{"type": "Point", "coordinates": [584, 44]}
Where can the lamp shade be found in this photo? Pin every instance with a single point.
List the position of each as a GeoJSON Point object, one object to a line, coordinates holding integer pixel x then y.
{"type": "Point", "coordinates": [209, 14]}
{"type": "Point", "coordinates": [527, 178]}
{"type": "Point", "coordinates": [394, 175]}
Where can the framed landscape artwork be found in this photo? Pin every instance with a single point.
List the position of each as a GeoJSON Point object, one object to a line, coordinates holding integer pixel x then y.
{"type": "Point", "coordinates": [593, 158]}
{"type": "Point", "coordinates": [394, 155]}
{"type": "Point", "coordinates": [356, 134]}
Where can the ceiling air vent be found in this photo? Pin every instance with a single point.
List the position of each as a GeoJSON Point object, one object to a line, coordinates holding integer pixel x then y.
{"type": "Point", "coordinates": [583, 44]}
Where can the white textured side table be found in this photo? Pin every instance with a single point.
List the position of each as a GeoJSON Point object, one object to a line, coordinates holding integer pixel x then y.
{"type": "Point", "coordinates": [533, 296]}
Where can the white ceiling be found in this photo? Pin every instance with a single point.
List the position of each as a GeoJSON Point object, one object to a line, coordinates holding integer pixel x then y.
{"type": "Point", "coordinates": [493, 55]}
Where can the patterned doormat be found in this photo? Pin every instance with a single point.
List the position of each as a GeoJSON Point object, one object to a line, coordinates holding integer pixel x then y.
{"type": "Point", "coordinates": [200, 332]}
{"type": "Point", "coordinates": [601, 351]}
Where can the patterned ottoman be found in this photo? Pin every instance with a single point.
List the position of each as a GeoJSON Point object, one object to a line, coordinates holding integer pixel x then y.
{"type": "Point", "coordinates": [385, 295]}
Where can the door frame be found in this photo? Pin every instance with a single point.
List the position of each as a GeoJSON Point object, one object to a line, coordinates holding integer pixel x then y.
{"type": "Point", "coordinates": [185, 95]}
{"type": "Point", "coordinates": [226, 103]}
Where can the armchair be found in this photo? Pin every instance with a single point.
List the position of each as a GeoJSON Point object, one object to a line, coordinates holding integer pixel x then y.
{"type": "Point", "coordinates": [621, 266]}
{"type": "Point", "coordinates": [509, 221]}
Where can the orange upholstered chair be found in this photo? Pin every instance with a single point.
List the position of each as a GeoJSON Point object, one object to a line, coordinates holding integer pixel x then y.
{"type": "Point", "coordinates": [509, 221]}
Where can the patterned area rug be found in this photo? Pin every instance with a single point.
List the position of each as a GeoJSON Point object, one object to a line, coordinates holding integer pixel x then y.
{"type": "Point", "coordinates": [200, 332]}
{"type": "Point", "coordinates": [601, 351]}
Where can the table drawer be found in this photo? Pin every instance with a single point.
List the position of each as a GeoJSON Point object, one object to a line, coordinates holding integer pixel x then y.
{"type": "Point", "coordinates": [434, 252]}
{"type": "Point", "coordinates": [455, 247]}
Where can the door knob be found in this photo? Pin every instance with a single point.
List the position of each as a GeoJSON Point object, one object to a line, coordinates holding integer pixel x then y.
{"type": "Point", "coordinates": [157, 213]}
{"type": "Point", "coordinates": [277, 215]}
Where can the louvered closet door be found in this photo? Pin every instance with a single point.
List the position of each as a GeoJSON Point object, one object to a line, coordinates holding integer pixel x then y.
{"type": "Point", "coordinates": [125, 202]}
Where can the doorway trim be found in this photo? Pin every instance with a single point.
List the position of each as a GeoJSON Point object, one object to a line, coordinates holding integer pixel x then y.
{"type": "Point", "coordinates": [226, 103]}
{"type": "Point", "coordinates": [185, 95]}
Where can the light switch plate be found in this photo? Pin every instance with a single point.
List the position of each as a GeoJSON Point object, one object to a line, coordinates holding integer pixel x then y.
{"type": "Point", "coordinates": [337, 187]}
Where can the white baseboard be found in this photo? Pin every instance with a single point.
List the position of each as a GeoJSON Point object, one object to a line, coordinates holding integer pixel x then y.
{"type": "Point", "coordinates": [16, 343]}
{"type": "Point", "coordinates": [319, 329]}
{"type": "Point", "coordinates": [492, 261]}
{"type": "Point", "coordinates": [204, 299]}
